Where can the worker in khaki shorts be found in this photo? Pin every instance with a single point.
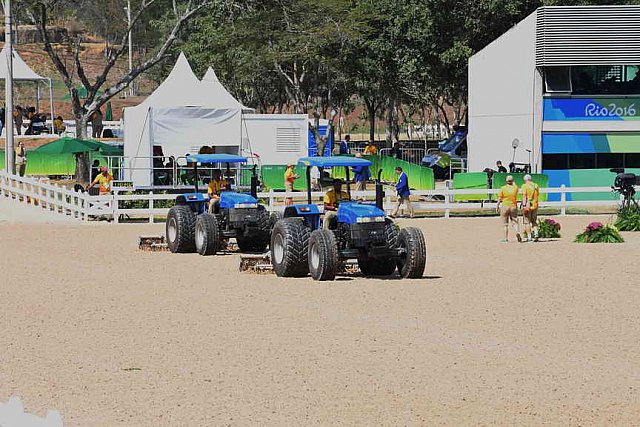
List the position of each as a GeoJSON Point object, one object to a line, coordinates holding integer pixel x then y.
{"type": "Point", "coordinates": [508, 208]}
{"type": "Point", "coordinates": [530, 195]}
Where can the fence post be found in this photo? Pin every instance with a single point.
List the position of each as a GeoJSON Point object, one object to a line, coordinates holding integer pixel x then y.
{"type": "Point", "coordinates": [150, 207]}
{"type": "Point", "coordinates": [563, 200]}
{"type": "Point", "coordinates": [116, 205]}
{"type": "Point", "coordinates": [271, 200]}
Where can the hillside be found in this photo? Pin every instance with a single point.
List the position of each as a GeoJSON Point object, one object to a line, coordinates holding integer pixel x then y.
{"type": "Point", "coordinates": [93, 59]}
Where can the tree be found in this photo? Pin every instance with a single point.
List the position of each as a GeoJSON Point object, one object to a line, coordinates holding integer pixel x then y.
{"type": "Point", "coordinates": [176, 14]}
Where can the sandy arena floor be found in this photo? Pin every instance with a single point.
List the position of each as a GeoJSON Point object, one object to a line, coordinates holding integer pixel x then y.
{"type": "Point", "coordinates": [503, 334]}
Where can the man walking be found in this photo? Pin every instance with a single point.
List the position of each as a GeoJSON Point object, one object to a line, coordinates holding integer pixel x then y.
{"type": "Point", "coordinates": [530, 196]}
{"type": "Point", "coordinates": [508, 208]}
{"type": "Point", "coordinates": [402, 187]}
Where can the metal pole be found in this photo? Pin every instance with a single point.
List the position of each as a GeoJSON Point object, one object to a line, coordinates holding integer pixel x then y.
{"type": "Point", "coordinates": [132, 91]}
{"type": "Point", "coordinates": [8, 92]}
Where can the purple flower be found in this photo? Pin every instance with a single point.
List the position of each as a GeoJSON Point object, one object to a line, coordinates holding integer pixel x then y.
{"type": "Point", "coordinates": [594, 226]}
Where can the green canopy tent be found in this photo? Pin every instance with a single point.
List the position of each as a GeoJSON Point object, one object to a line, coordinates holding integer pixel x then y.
{"type": "Point", "coordinates": [68, 145]}
{"type": "Point", "coordinates": [79, 148]}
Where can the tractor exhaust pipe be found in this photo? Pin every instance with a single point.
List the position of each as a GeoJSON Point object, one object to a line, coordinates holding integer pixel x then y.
{"type": "Point", "coordinates": [379, 191]}
{"type": "Point", "coordinates": [254, 183]}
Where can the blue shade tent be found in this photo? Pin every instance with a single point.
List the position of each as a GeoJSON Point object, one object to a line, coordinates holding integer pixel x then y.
{"type": "Point", "coordinates": [327, 162]}
{"type": "Point", "coordinates": [216, 158]}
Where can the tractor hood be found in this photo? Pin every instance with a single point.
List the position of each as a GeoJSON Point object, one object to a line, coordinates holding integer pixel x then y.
{"type": "Point", "coordinates": [230, 199]}
{"type": "Point", "coordinates": [354, 212]}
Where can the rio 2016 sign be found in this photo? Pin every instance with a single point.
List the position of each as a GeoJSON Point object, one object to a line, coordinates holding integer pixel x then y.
{"type": "Point", "coordinates": [591, 109]}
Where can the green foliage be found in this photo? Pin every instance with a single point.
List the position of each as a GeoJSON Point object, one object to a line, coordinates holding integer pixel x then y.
{"type": "Point", "coordinates": [548, 229]}
{"type": "Point", "coordinates": [597, 232]}
{"type": "Point", "coordinates": [628, 218]}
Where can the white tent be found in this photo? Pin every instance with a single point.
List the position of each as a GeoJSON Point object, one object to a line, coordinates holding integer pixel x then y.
{"type": "Point", "coordinates": [180, 116]}
{"type": "Point", "coordinates": [22, 72]}
{"type": "Point", "coordinates": [214, 90]}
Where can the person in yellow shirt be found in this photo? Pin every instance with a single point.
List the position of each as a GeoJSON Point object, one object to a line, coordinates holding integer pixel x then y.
{"type": "Point", "coordinates": [331, 201]}
{"type": "Point", "coordinates": [103, 179]}
{"type": "Point", "coordinates": [508, 208]}
{"type": "Point", "coordinates": [290, 176]}
{"type": "Point", "coordinates": [530, 197]}
{"type": "Point", "coordinates": [58, 125]}
{"type": "Point", "coordinates": [371, 149]}
{"type": "Point", "coordinates": [216, 186]}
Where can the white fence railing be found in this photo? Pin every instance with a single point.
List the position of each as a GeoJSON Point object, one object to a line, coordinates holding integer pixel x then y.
{"type": "Point", "coordinates": [54, 198]}
{"type": "Point", "coordinates": [122, 204]}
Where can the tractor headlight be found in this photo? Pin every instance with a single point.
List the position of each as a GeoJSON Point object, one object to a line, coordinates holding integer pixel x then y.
{"type": "Point", "coordinates": [246, 205]}
{"type": "Point", "coordinates": [370, 219]}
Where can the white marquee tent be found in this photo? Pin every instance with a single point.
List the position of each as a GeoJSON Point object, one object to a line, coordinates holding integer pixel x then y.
{"type": "Point", "coordinates": [22, 72]}
{"type": "Point", "coordinates": [184, 114]}
{"type": "Point", "coordinates": [179, 116]}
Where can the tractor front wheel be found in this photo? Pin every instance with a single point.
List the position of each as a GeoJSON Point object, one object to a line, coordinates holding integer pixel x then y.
{"type": "Point", "coordinates": [323, 255]}
{"type": "Point", "coordinates": [413, 260]}
{"type": "Point", "coordinates": [289, 246]}
{"type": "Point", "coordinates": [207, 234]}
{"type": "Point", "coordinates": [180, 229]}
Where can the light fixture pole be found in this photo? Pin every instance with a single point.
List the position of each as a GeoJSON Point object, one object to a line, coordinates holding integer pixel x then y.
{"type": "Point", "coordinates": [132, 90]}
{"type": "Point", "coordinates": [8, 90]}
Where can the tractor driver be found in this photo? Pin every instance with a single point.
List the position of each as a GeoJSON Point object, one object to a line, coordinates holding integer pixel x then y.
{"type": "Point", "coordinates": [331, 201]}
{"type": "Point", "coordinates": [216, 186]}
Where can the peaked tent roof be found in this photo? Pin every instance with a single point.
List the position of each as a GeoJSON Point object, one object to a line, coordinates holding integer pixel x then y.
{"type": "Point", "coordinates": [218, 94]}
{"type": "Point", "coordinates": [21, 71]}
{"type": "Point", "coordinates": [180, 88]}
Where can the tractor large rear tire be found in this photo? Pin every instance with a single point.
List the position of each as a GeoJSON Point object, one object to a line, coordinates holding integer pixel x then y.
{"type": "Point", "coordinates": [207, 234]}
{"type": "Point", "coordinates": [413, 261]}
{"type": "Point", "coordinates": [180, 229]}
{"type": "Point", "coordinates": [289, 248]}
{"type": "Point", "coordinates": [323, 255]}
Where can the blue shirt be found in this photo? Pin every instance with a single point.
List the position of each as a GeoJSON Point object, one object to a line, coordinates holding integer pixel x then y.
{"type": "Point", "coordinates": [344, 147]}
{"type": "Point", "coordinates": [402, 187]}
{"type": "Point", "coordinates": [361, 173]}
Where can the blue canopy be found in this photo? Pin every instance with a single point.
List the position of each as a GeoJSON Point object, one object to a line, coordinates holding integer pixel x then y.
{"type": "Point", "coordinates": [327, 162]}
{"type": "Point", "coordinates": [216, 158]}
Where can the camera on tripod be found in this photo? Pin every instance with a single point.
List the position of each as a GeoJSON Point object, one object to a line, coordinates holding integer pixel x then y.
{"type": "Point", "coordinates": [624, 184]}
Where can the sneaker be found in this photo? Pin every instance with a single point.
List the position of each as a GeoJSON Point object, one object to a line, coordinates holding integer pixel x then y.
{"type": "Point", "coordinates": [504, 241]}
{"type": "Point", "coordinates": [519, 237]}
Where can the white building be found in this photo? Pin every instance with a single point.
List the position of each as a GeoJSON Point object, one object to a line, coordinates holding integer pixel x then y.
{"type": "Point", "coordinates": [565, 83]}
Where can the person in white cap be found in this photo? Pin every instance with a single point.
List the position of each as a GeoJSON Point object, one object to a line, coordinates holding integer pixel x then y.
{"type": "Point", "coordinates": [530, 195]}
{"type": "Point", "coordinates": [508, 208]}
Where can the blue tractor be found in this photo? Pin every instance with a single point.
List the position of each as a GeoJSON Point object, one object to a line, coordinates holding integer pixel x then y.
{"type": "Point", "coordinates": [301, 245]}
{"type": "Point", "coordinates": [198, 224]}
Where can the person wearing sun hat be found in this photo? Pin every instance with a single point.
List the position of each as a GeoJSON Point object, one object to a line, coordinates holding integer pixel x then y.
{"type": "Point", "coordinates": [290, 176]}
{"type": "Point", "coordinates": [104, 179]}
{"type": "Point", "coordinates": [530, 195]}
{"type": "Point", "coordinates": [508, 208]}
